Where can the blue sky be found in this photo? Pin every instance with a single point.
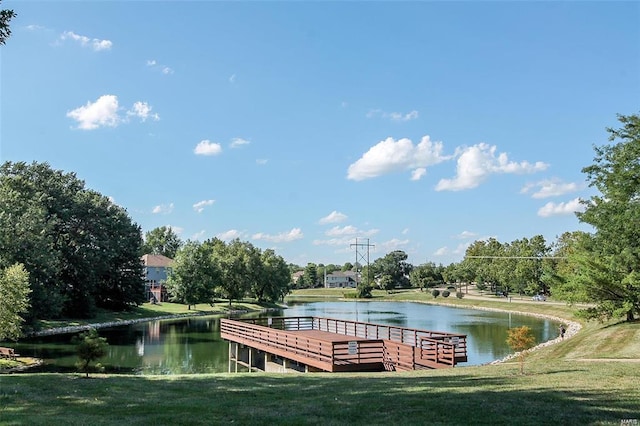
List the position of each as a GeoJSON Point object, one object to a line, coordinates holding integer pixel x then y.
{"type": "Point", "coordinates": [299, 126]}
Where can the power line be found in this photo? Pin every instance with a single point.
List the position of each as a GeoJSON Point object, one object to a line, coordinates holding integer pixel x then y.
{"type": "Point", "coordinates": [516, 257]}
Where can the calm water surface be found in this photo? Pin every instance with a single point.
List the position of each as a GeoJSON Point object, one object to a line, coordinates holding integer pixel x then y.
{"type": "Point", "coordinates": [193, 345]}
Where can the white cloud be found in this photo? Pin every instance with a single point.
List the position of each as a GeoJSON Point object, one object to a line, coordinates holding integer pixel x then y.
{"type": "Point", "coordinates": [418, 173]}
{"type": "Point", "coordinates": [345, 230]}
{"type": "Point", "coordinates": [152, 63]}
{"type": "Point", "coordinates": [460, 249]}
{"type": "Point", "coordinates": [559, 209]}
{"type": "Point", "coordinates": [200, 205]}
{"type": "Point", "coordinates": [442, 251]}
{"type": "Point", "coordinates": [344, 242]}
{"type": "Point", "coordinates": [199, 235]}
{"type": "Point", "coordinates": [206, 147]}
{"type": "Point", "coordinates": [477, 162]}
{"type": "Point", "coordinates": [393, 116]}
{"type": "Point", "coordinates": [93, 43]}
{"type": "Point", "coordinates": [465, 235]}
{"type": "Point", "coordinates": [391, 245]}
{"type": "Point", "coordinates": [345, 236]}
{"type": "Point", "coordinates": [261, 161]}
{"type": "Point", "coordinates": [232, 79]}
{"type": "Point", "coordinates": [34, 27]}
{"type": "Point", "coordinates": [294, 234]}
{"type": "Point", "coordinates": [350, 230]}
{"type": "Point", "coordinates": [177, 229]}
{"type": "Point", "coordinates": [238, 142]}
{"type": "Point", "coordinates": [163, 208]}
{"type": "Point", "coordinates": [390, 155]}
{"type": "Point", "coordinates": [550, 188]}
{"type": "Point", "coordinates": [333, 217]}
{"type": "Point", "coordinates": [142, 110]}
{"type": "Point", "coordinates": [396, 116]}
{"type": "Point", "coordinates": [103, 112]}
{"type": "Point", "coordinates": [231, 234]}
{"type": "Point", "coordinates": [405, 231]}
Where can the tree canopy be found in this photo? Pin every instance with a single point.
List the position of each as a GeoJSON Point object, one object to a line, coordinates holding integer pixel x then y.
{"type": "Point", "coordinates": [81, 250]}
{"type": "Point", "coordinates": [14, 300]}
{"type": "Point", "coordinates": [609, 272]}
{"type": "Point", "coordinates": [162, 240]}
{"type": "Point", "coordinates": [6, 16]}
{"type": "Point", "coordinates": [214, 269]}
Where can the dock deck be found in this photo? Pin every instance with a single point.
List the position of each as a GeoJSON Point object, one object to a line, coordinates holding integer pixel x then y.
{"type": "Point", "coordinates": [338, 345]}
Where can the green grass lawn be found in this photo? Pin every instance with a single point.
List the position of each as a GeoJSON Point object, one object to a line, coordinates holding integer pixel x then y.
{"type": "Point", "coordinates": [149, 310]}
{"type": "Point", "coordinates": [592, 378]}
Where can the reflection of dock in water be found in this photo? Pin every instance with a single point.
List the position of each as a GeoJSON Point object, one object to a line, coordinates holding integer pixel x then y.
{"type": "Point", "coordinates": [325, 344]}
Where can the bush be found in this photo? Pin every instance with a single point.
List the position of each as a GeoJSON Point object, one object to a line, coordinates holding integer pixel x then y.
{"type": "Point", "coordinates": [435, 293]}
{"type": "Point", "coordinates": [90, 347]}
{"type": "Point", "coordinates": [459, 295]}
{"type": "Point", "coordinates": [446, 293]}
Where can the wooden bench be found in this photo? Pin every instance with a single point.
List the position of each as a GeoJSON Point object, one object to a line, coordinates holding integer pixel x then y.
{"type": "Point", "coordinates": [8, 353]}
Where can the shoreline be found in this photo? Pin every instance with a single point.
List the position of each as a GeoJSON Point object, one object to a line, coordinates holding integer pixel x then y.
{"type": "Point", "coordinates": [572, 327]}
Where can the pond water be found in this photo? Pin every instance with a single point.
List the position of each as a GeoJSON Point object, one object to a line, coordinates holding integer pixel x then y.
{"type": "Point", "coordinates": [193, 345]}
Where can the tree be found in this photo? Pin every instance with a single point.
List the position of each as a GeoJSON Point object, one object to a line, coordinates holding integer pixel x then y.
{"type": "Point", "coordinates": [610, 270]}
{"type": "Point", "coordinates": [162, 240]}
{"type": "Point", "coordinates": [519, 340]}
{"type": "Point", "coordinates": [395, 266]}
{"type": "Point", "coordinates": [89, 347]}
{"type": "Point", "coordinates": [81, 250]}
{"type": "Point", "coordinates": [14, 300]}
{"type": "Point", "coordinates": [5, 17]}
{"type": "Point", "coordinates": [311, 274]}
{"type": "Point", "coordinates": [273, 283]}
{"type": "Point", "coordinates": [426, 276]}
{"type": "Point", "coordinates": [195, 275]}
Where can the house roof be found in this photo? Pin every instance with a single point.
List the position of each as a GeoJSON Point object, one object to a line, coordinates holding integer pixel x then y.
{"type": "Point", "coordinates": [156, 260]}
{"type": "Point", "coordinates": [347, 274]}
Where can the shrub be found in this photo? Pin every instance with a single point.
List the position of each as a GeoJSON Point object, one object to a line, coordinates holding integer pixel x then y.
{"type": "Point", "coordinates": [90, 347]}
{"type": "Point", "coordinates": [446, 293]}
{"type": "Point", "coordinates": [459, 295]}
{"type": "Point", "coordinates": [435, 293]}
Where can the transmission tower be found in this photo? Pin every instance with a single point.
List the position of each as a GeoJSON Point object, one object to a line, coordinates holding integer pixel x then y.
{"type": "Point", "coordinates": [361, 257]}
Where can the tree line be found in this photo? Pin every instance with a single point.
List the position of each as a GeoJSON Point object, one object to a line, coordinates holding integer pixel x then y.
{"type": "Point", "coordinates": [211, 270]}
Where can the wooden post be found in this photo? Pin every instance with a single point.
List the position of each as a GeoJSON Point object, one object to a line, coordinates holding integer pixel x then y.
{"type": "Point", "coordinates": [230, 356]}
{"type": "Point", "coordinates": [250, 357]}
{"type": "Point", "coordinates": [237, 356]}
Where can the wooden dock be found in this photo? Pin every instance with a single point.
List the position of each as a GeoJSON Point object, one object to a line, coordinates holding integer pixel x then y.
{"type": "Point", "coordinates": [325, 344]}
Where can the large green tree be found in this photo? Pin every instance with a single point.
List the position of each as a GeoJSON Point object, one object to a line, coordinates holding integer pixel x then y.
{"type": "Point", "coordinates": [80, 249]}
{"type": "Point", "coordinates": [162, 240]}
{"type": "Point", "coordinates": [274, 280]}
{"type": "Point", "coordinates": [392, 270]}
{"type": "Point", "coordinates": [195, 275]}
{"type": "Point", "coordinates": [6, 16]}
{"type": "Point", "coordinates": [610, 273]}
{"type": "Point", "coordinates": [14, 300]}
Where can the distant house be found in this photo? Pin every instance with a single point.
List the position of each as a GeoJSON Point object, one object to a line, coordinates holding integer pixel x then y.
{"type": "Point", "coordinates": [341, 280]}
{"type": "Point", "coordinates": [156, 271]}
{"type": "Point", "coordinates": [295, 277]}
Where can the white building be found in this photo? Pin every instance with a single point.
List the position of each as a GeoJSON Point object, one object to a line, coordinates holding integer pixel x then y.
{"type": "Point", "coordinates": [341, 280]}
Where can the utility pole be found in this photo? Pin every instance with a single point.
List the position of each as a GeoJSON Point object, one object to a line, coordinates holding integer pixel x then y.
{"type": "Point", "coordinates": [362, 257]}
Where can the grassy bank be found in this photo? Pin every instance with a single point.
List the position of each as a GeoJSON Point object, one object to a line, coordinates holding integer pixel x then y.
{"type": "Point", "coordinates": [590, 379]}
{"type": "Point", "coordinates": [149, 310]}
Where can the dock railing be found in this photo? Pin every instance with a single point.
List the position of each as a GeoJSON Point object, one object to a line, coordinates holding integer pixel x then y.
{"type": "Point", "coordinates": [432, 347]}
